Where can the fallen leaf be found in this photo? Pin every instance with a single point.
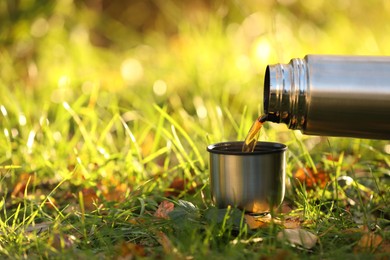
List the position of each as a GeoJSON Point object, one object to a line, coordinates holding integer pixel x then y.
{"type": "Point", "coordinates": [51, 203]}
{"type": "Point", "coordinates": [310, 179]}
{"type": "Point", "coordinates": [164, 209]}
{"type": "Point", "coordinates": [285, 208]}
{"type": "Point", "coordinates": [147, 144]}
{"type": "Point", "coordinates": [179, 185]}
{"type": "Point", "coordinates": [292, 223]}
{"type": "Point", "coordinates": [137, 221]}
{"type": "Point", "coordinates": [90, 198]}
{"type": "Point", "coordinates": [62, 241]}
{"type": "Point", "coordinates": [253, 223]}
{"type": "Point", "coordinates": [128, 251]}
{"type": "Point", "coordinates": [21, 185]}
{"type": "Point", "coordinates": [258, 222]}
{"type": "Point", "coordinates": [166, 243]}
{"type": "Point", "coordinates": [115, 193]}
{"type": "Point", "coordinates": [169, 248]}
{"type": "Point", "coordinates": [279, 254]}
{"type": "Point", "coordinates": [369, 242]}
{"type": "Point", "coordinates": [352, 230]}
{"type": "Point", "coordinates": [298, 237]}
{"type": "Point", "coordinates": [384, 247]}
{"type": "Point", "coordinates": [113, 189]}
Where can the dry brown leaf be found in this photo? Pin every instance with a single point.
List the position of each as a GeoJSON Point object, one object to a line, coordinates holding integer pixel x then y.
{"type": "Point", "coordinates": [285, 208]}
{"type": "Point", "coordinates": [147, 145]}
{"type": "Point", "coordinates": [128, 251]}
{"type": "Point", "coordinates": [137, 221]}
{"type": "Point", "coordinates": [164, 209]}
{"type": "Point", "coordinates": [115, 193]}
{"type": "Point", "coordinates": [178, 185]}
{"type": "Point", "coordinates": [369, 242]}
{"type": "Point", "coordinates": [279, 254]}
{"type": "Point", "coordinates": [51, 203]}
{"type": "Point", "coordinates": [253, 223]}
{"type": "Point", "coordinates": [21, 185]}
{"type": "Point", "coordinates": [310, 179]}
{"type": "Point", "coordinates": [352, 230]}
{"type": "Point", "coordinates": [113, 189]}
{"type": "Point", "coordinates": [384, 247]}
{"type": "Point", "coordinates": [62, 241]}
{"type": "Point", "coordinates": [165, 242]}
{"type": "Point", "coordinates": [258, 222]}
{"type": "Point", "coordinates": [298, 237]}
{"type": "Point", "coordinates": [292, 223]}
{"type": "Point", "coordinates": [168, 247]}
{"type": "Point", "coordinates": [90, 198]}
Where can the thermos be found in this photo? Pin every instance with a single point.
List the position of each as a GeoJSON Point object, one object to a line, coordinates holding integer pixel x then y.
{"type": "Point", "coordinates": [331, 95]}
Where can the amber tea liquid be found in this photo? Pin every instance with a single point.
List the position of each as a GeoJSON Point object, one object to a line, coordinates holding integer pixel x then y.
{"type": "Point", "coordinates": [253, 135]}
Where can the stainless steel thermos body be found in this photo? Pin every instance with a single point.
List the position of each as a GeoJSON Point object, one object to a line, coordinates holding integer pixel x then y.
{"type": "Point", "coordinates": [331, 95]}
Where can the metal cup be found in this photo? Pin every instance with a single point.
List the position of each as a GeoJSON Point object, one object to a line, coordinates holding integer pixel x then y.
{"type": "Point", "coordinates": [254, 182]}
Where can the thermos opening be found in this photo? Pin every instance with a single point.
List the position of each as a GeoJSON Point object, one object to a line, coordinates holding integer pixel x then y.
{"type": "Point", "coordinates": [269, 112]}
{"type": "Point", "coordinates": [266, 90]}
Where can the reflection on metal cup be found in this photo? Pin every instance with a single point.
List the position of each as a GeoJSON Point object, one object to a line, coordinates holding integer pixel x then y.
{"type": "Point", "coordinates": [254, 182]}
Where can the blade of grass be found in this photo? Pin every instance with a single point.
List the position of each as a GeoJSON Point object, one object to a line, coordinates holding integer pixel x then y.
{"type": "Point", "coordinates": [183, 132]}
{"type": "Point", "coordinates": [305, 152]}
{"type": "Point", "coordinates": [241, 131]}
{"type": "Point", "coordinates": [180, 147]}
{"type": "Point", "coordinates": [233, 123]}
{"type": "Point", "coordinates": [86, 136]}
{"type": "Point", "coordinates": [82, 209]}
{"type": "Point", "coordinates": [133, 139]}
{"type": "Point", "coordinates": [107, 129]}
{"type": "Point", "coordinates": [159, 126]}
{"type": "Point", "coordinates": [155, 154]}
{"type": "Point", "coordinates": [10, 167]}
{"type": "Point", "coordinates": [379, 192]}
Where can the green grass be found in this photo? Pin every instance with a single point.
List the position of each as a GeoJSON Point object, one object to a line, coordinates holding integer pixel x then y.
{"type": "Point", "coordinates": [90, 146]}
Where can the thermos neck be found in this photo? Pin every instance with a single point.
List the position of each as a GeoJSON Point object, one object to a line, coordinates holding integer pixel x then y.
{"type": "Point", "coordinates": [286, 93]}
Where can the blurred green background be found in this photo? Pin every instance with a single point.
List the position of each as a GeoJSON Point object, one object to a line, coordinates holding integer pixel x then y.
{"type": "Point", "coordinates": [152, 51]}
{"type": "Point", "coordinates": [70, 67]}
{"type": "Point", "coordinates": [107, 106]}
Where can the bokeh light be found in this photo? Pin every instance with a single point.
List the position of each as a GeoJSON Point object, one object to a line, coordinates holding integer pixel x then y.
{"type": "Point", "coordinates": [160, 87]}
{"type": "Point", "coordinates": [131, 70]}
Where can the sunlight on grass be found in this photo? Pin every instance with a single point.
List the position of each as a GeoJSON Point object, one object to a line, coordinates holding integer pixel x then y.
{"type": "Point", "coordinates": [106, 110]}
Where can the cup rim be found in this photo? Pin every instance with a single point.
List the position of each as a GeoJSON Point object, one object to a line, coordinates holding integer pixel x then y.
{"type": "Point", "coordinates": [234, 148]}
